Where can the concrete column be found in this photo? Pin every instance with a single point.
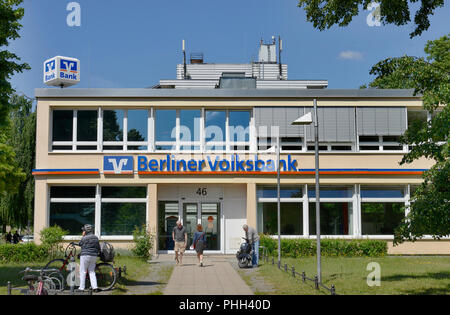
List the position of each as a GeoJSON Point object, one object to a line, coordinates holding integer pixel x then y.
{"type": "Point", "coordinates": [251, 205]}
{"type": "Point", "coordinates": [152, 212]}
{"type": "Point", "coordinates": [41, 208]}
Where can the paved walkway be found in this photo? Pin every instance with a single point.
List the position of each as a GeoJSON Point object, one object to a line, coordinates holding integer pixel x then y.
{"type": "Point", "coordinates": [216, 277]}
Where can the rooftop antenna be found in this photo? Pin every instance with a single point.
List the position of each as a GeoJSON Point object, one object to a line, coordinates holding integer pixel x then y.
{"type": "Point", "coordinates": [184, 59]}
{"type": "Point", "coordinates": [280, 49]}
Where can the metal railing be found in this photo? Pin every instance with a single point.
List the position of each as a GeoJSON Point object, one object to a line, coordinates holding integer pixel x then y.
{"type": "Point", "coordinates": [294, 273]}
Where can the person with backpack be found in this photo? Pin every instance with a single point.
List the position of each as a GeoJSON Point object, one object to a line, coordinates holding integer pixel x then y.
{"type": "Point", "coordinates": [90, 250]}
{"type": "Point", "coordinates": [199, 243]}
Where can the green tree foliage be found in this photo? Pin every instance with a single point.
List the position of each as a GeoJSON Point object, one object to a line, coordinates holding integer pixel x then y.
{"type": "Point", "coordinates": [16, 208]}
{"type": "Point", "coordinates": [10, 15]}
{"type": "Point", "coordinates": [430, 209]}
{"type": "Point", "coordinates": [52, 238]}
{"type": "Point", "coordinates": [326, 13]}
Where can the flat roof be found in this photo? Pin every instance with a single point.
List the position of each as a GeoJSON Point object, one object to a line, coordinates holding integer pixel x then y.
{"type": "Point", "coordinates": [224, 93]}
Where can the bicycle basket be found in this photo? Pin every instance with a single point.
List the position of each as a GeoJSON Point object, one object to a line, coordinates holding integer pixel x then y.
{"type": "Point", "coordinates": [106, 252]}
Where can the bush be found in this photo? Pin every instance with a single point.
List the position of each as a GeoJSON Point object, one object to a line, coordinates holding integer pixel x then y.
{"type": "Point", "coordinates": [51, 239]}
{"type": "Point", "coordinates": [22, 253]}
{"type": "Point", "coordinates": [329, 247]}
{"type": "Point", "coordinates": [143, 243]}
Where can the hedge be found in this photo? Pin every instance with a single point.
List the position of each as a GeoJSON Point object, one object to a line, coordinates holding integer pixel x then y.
{"type": "Point", "coordinates": [329, 247]}
{"type": "Point", "coordinates": [22, 253]}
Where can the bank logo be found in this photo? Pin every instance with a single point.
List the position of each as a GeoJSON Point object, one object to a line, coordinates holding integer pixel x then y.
{"type": "Point", "coordinates": [118, 165]}
{"type": "Point", "coordinates": [50, 66]}
{"type": "Point", "coordinates": [69, 66]}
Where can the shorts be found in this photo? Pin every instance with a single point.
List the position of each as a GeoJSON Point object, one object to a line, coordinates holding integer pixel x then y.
{"type": "Point", "coordinates": [180, 247]}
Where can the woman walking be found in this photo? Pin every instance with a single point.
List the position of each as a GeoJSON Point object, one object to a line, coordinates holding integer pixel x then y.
{"type": "Point", "coordinates": [199, 243]}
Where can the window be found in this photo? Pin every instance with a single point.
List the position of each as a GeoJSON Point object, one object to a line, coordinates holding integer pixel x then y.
{"type": "Point", "coordinates": [336, 210]}
{"type": "Point", "coordinates": [285, 192]}
{"type": "Point", "coordinates": [215, 126]}
{"type": "Point", "coordinates": [72, 207]}
{"type": "Point", "coordinates": [291, 215]}
{"type": "Point", "coordinates": [87, 130]}
{"type": "Point", "coordinates": [381, 218]}
{"type": "Point", "coordinates": [380, 143]}
{"type": "Point", "coordinates": [135, 121]}
{"type": "Point", "coordinates": [123, 209]}
{"type": "Point", "coordinates": [382, 209]}
{"type": "Point", "coordinates": [167, 217]}
{"type": "Point", "coordinates": [331, 147]}
{"type": "Point", "coordinates": [265, 144]}
{"type": "Point", "coordinates": [291, 210]}
{"type": "Point", "coordinates": [190, 127]}
{"type": "Point", "coordinates": [113, 129]}
{"type": "Point", "coordinates": [137, 130]}
{"type": "Point", "coordinates": [336, 218]}
{"type": "Point", "coordinates": [239, 130]}
{"type": "Point", "coordinates": [62, 130]}
{"type": "Point", "coordinates": [165, 129]}
{"type": "Point", "coordinates": [331, 192]}
{"type": "Point", "coordinates": [291, 144]}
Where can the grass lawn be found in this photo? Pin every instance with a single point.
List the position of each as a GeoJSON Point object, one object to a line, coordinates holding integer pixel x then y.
{"type": "Point", "coordinates": [399, 275]}
{"type": "Point", "coordinates": [136, 269]}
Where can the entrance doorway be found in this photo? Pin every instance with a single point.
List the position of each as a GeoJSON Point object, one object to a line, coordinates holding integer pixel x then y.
{"type": "Point", "coordinates": [208, 215]}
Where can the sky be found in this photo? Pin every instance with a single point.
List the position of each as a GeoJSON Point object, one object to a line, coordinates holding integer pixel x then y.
{"type": "Point", "coordinates": [135, 43]}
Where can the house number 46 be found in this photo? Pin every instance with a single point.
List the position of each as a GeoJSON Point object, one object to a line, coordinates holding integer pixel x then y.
{"type": "Point", "coordinates": [202, 192]}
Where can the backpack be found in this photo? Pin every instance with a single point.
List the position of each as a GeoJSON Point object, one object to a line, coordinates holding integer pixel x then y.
{"type": "Point", "coordinates": [106, 252]}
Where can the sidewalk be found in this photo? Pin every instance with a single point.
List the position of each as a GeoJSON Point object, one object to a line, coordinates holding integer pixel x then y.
{"type": "Point", "coordinates": [216, 277]}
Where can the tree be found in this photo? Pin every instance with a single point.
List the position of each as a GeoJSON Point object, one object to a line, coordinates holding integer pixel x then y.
{"type": "Point", "coordinates": [16, 208]}
{"type": "Point", "coordinates": [430, 208]}
{"type": "Point", "coordinates": [326, 13]}
{"type": "Point", "coordinates": [10, 15]}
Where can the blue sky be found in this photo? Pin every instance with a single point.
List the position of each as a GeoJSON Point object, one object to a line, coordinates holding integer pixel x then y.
{"type": "Point", "coordinates": [135, 43]}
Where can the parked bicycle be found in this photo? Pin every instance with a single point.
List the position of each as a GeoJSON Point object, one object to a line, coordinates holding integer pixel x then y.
{"type": "Point", "coordinates": [46, 282]}
{"type": "Point", "coordinates": [106, 273]}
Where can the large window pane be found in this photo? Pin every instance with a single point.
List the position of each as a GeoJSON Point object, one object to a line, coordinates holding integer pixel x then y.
{"type": "Point", "coordinates": [335, 218]}
{"type": "Point", "coordinates": [113, 125]}
{"type": "Point", "coordinates": [72, 192]}
{"type": "Point", "coordinates": [291, 218]}
{"type": "Point", "coordinates": [165, 124]}
{"type": "Point", "coordinates": [215, 125]}
{"type": "Point", "coordinates": [137, 125]}
{"type": "Point", "coordinates": [190, 125]}
{"type": "Point", "coordinates": [87, 125]}
{"type": "Point", "coordinates": [72, 216]}
{"type": "Point", "coordinates": [381, 218]}
{"type": "Point", "coordinates": [62, 125]}
{"type": "Point", "coordinates": [167, 219]}
{"type": "Point", "coordinates": [382, 192]}
{"type": "Point", "coordinates": [122, 218]}
{"type": "Point", "coordinates": [285, 192]}
{"type": "Point", "coordinates": [331, 192]}
{"type": "Point", "coordinates": [239, 125]}
{"type": "Point", "coordinates": [124, 192]}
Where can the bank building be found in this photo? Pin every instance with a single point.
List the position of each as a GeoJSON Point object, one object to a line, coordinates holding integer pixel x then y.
{"type": "Point", "coordinates": [202, 148]}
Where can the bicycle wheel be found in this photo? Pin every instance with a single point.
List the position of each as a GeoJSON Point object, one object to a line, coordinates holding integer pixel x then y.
{"type": "Point", "coordinates": [62, 266]}
{"type": "Point", "coordinates": [106, 276]}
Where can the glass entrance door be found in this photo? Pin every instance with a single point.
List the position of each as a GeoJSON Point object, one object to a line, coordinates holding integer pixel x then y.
{"type": "Point", "coordinates": [208, 215]}
{"type": "Point", "coordinates": [190, 220]}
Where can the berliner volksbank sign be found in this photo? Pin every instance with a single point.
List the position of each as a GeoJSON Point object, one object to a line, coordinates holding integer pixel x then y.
{"type": "Point", "coordinates": [171, 163]}
{"type": "Point", "coordinates": [62, 71]}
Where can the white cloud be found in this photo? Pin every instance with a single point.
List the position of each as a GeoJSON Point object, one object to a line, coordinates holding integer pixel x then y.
{"type": "Point", "coordinates": [350, 55]}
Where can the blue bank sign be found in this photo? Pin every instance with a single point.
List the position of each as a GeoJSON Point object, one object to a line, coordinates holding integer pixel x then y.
{"type": "Point", "coordinates": [234, 163]}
